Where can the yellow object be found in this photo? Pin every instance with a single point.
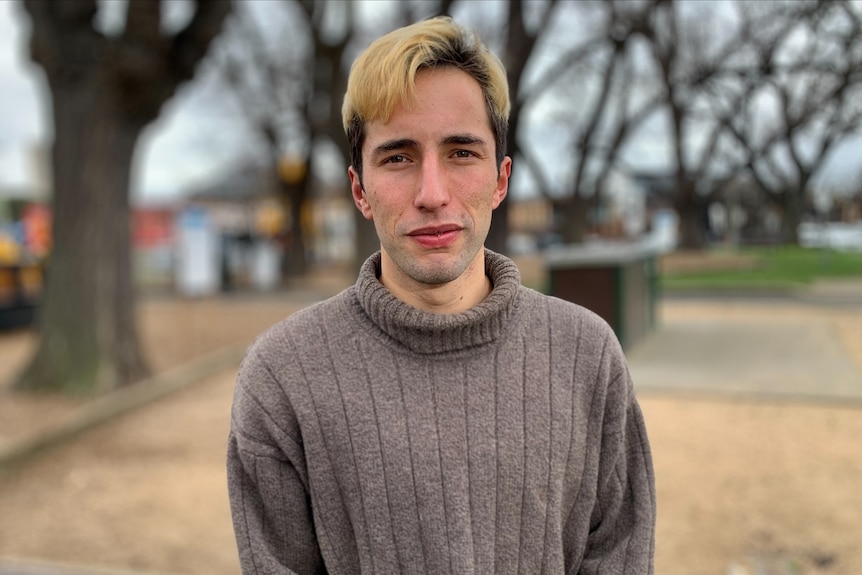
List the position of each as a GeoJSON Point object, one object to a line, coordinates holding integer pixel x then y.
{"type": "Point", "coordinates": [270, 220]}
{"type": "Point", "coordinates": [30, 279]}
{"type": "Point", "coordinates": [291, 170]}
{"type": "Point", "coordinates": [10, 252]}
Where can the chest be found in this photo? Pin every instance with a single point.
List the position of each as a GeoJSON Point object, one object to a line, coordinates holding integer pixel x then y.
{"type": "Point", "coordinates": [512, 413]}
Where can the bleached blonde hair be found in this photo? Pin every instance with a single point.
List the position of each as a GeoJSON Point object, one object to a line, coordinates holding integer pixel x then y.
{"type": "Point", "coordinates": [385, 74]}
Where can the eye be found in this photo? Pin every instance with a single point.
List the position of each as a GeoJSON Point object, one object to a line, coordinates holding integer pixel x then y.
{"type": "Point", "coordinates": [396, 159]}
{"type": "Point", "coordinates": [463, 154]}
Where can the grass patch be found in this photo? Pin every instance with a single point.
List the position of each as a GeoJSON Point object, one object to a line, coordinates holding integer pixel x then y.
{"type": "Point", "coordinates": [781, 267]}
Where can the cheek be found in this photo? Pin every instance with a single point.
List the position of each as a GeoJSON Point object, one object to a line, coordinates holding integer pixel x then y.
{"type": "Point", "coordinates": [383, 208]}
{"type": "Point", "coordinates": [481, 196]}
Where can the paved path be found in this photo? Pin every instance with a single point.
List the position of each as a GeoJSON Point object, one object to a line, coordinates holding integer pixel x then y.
{"type": "Point", "coordinates": [770, 348]}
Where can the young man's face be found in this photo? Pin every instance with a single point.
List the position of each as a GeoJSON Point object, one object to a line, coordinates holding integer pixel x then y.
{"type": "Point", "coordinates": [431, 181]}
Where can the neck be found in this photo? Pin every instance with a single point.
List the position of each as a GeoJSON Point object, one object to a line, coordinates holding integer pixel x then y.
{"type": "Point", "coordinates": [459, 295]}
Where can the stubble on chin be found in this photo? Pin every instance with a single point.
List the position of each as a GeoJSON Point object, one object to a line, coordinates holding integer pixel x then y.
{"type": "Point", "coordinates": [429, 268]}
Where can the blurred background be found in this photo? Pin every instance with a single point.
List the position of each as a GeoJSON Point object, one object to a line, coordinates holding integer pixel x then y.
{"type": "Point", "coordinates": [173, 180]}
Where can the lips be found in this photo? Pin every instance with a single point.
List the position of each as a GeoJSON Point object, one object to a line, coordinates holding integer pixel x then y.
{"type": "Point", "coordinates": [436, 237]}
{"type": "Point", "coordinates": [434, 230]}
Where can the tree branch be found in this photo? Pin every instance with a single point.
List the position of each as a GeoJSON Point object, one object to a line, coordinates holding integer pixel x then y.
{"type": "Point", "coordinates": [63, 40]}
{"type": "Point", "coordinates": [191, 43]}
{"type": "Point", "coordinates": [143, 20]}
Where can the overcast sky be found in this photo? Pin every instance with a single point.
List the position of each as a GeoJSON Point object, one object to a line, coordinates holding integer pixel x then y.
{"type": "Point", "coordinates": [197, 135]}
{"type": "Point", "coordinates": [21, 122]}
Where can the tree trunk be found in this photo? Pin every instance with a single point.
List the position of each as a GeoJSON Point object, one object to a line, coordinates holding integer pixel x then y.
{"type": "Point", "coordinates": [293, 196]}
{"type": "Point", "coordinates": [88, 337]}
{"type": "Point", "coordinates": [792, 204]}
{"type": "Point", "coordinates": [576, 218]}
{"type": "Point", "coordinates": [105, 91]}
{"type": "Point", "coordinates": [692, 232]}
{"type": "Point", "coordinates": [519, 47]}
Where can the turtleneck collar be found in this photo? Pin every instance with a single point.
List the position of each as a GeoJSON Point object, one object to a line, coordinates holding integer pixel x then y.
{"type": "Point", "coordinates": [426, 332]}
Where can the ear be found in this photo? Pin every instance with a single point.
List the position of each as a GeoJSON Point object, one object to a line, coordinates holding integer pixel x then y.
{"type": "Point", "coordinates": [502, 188]}
{"type": "Point", "coordinates": [359, 197]}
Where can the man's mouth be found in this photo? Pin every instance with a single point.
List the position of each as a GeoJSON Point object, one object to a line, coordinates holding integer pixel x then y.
{"type": "Point", "coordinates": [434, 230]}
{"type": "Point", "coordinates": [436, 236]}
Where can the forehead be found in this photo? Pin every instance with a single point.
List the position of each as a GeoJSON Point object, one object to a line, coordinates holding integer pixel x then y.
{"type": "Point", "coordinates": [447, 101]}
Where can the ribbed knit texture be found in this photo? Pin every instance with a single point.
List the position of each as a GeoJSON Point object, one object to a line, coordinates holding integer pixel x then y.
{"type": "Point", "coordinates": [371, 437]}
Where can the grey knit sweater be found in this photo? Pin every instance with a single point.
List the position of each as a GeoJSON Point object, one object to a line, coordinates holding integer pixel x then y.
{"type": "Point", "coordinates": [368, 436]}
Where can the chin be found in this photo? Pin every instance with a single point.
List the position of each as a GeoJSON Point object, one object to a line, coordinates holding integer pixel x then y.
{"type": "Point", "coordinates": [435, 272]}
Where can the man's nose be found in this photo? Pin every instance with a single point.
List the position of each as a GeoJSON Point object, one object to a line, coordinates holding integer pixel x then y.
{"type": "Point", "coordinates": [433, 191]}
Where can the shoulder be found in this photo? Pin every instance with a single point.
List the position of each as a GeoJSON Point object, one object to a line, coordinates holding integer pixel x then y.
{"type": "Point", "coordinates": [565, 315]}
{"type": "Point", "coordinates": [273, 371]}
{"type": "Point", "coordinates": [305, 329]}
{"type": "Point", "coordinates": [574, 331]}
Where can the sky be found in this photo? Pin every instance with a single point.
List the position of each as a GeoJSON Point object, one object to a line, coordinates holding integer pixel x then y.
{"type": "Point", "coordinates": [199, 133]}
{"type": "Point", "coordinates": [21, 120]}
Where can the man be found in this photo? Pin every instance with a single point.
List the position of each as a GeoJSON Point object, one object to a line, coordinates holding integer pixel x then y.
{"type": "Point", "coordinates": [437, 416]}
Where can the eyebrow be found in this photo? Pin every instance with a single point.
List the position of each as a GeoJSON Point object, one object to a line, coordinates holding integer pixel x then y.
{"type": "Point", "coordinates": [393, 145]}
{"type": "Point", "coordinates": [464, 140]}
{"type": "Point", "coordinates": [407, 143]}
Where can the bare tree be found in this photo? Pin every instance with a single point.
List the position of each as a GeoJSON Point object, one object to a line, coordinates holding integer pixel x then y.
{"type": "Point", "coordinates": [704, 67]}
{"type": "Point", "coordinates": [106, 89]}
{"type": "Point", "coordinates": [772, 96]}
{"type": "Point", "coordinates": [604, 101]}
{"type": "Point", "coordinates": [270, 79]}
{"type": "Point", "coordinates": [636, 62]}
{"type": "Point", "coordinates": [331, 68]}
{"type": "Point", "coordinates": [690, 58]}
{"type": "Point", "coordinates": [519, 51]}
{"type": "Point", "coordinates": [807, 99]}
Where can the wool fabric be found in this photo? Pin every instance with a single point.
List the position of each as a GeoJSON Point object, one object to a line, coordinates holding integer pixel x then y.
{"type": "Point", "coordinates": [368, 436]}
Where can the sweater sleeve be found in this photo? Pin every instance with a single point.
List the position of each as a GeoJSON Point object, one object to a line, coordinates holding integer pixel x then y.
{"type": "Point", "coordinates": [621, 540]}
{"type": "Point", "coordinates": [267, 484]}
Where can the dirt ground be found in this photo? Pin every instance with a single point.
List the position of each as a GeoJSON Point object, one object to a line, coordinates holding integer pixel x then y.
{"type": "Point", "coordinates": [742, 484]}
